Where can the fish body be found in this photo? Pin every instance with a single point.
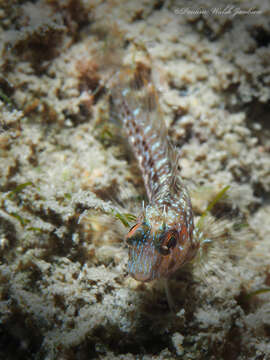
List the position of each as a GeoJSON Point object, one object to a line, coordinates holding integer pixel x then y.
{"type": "Point", "coordinates": [162, 240]}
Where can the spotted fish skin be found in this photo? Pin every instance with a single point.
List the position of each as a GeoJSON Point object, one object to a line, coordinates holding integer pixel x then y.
{"type": "Point", "coordinates": [162, 240]}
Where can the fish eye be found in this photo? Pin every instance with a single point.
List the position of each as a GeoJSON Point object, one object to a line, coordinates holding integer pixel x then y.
{"type": "Point", "coordinates": [168, 242]}
{"type": "Point", "coordinates": [132, 229]}
{"type": "Point", "coordinates": [137, 233]}
{"type": "Point", "coordinates": [132, 236]}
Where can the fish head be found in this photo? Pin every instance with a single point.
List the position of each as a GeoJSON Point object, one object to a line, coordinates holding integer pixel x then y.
{"type": "Point", "coordinates": [158, 251]}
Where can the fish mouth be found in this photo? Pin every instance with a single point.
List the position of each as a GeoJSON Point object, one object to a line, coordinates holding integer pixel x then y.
{"type": "Point", "coordinates": [143, 262]}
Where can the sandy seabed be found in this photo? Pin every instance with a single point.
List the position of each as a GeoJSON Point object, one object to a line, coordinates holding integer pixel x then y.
{"type": "Point", "coordinates": [64, 288]}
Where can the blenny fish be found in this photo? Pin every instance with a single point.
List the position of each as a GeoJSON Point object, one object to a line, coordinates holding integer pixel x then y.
{"type": "Point", "coordinates": [163, 237]}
